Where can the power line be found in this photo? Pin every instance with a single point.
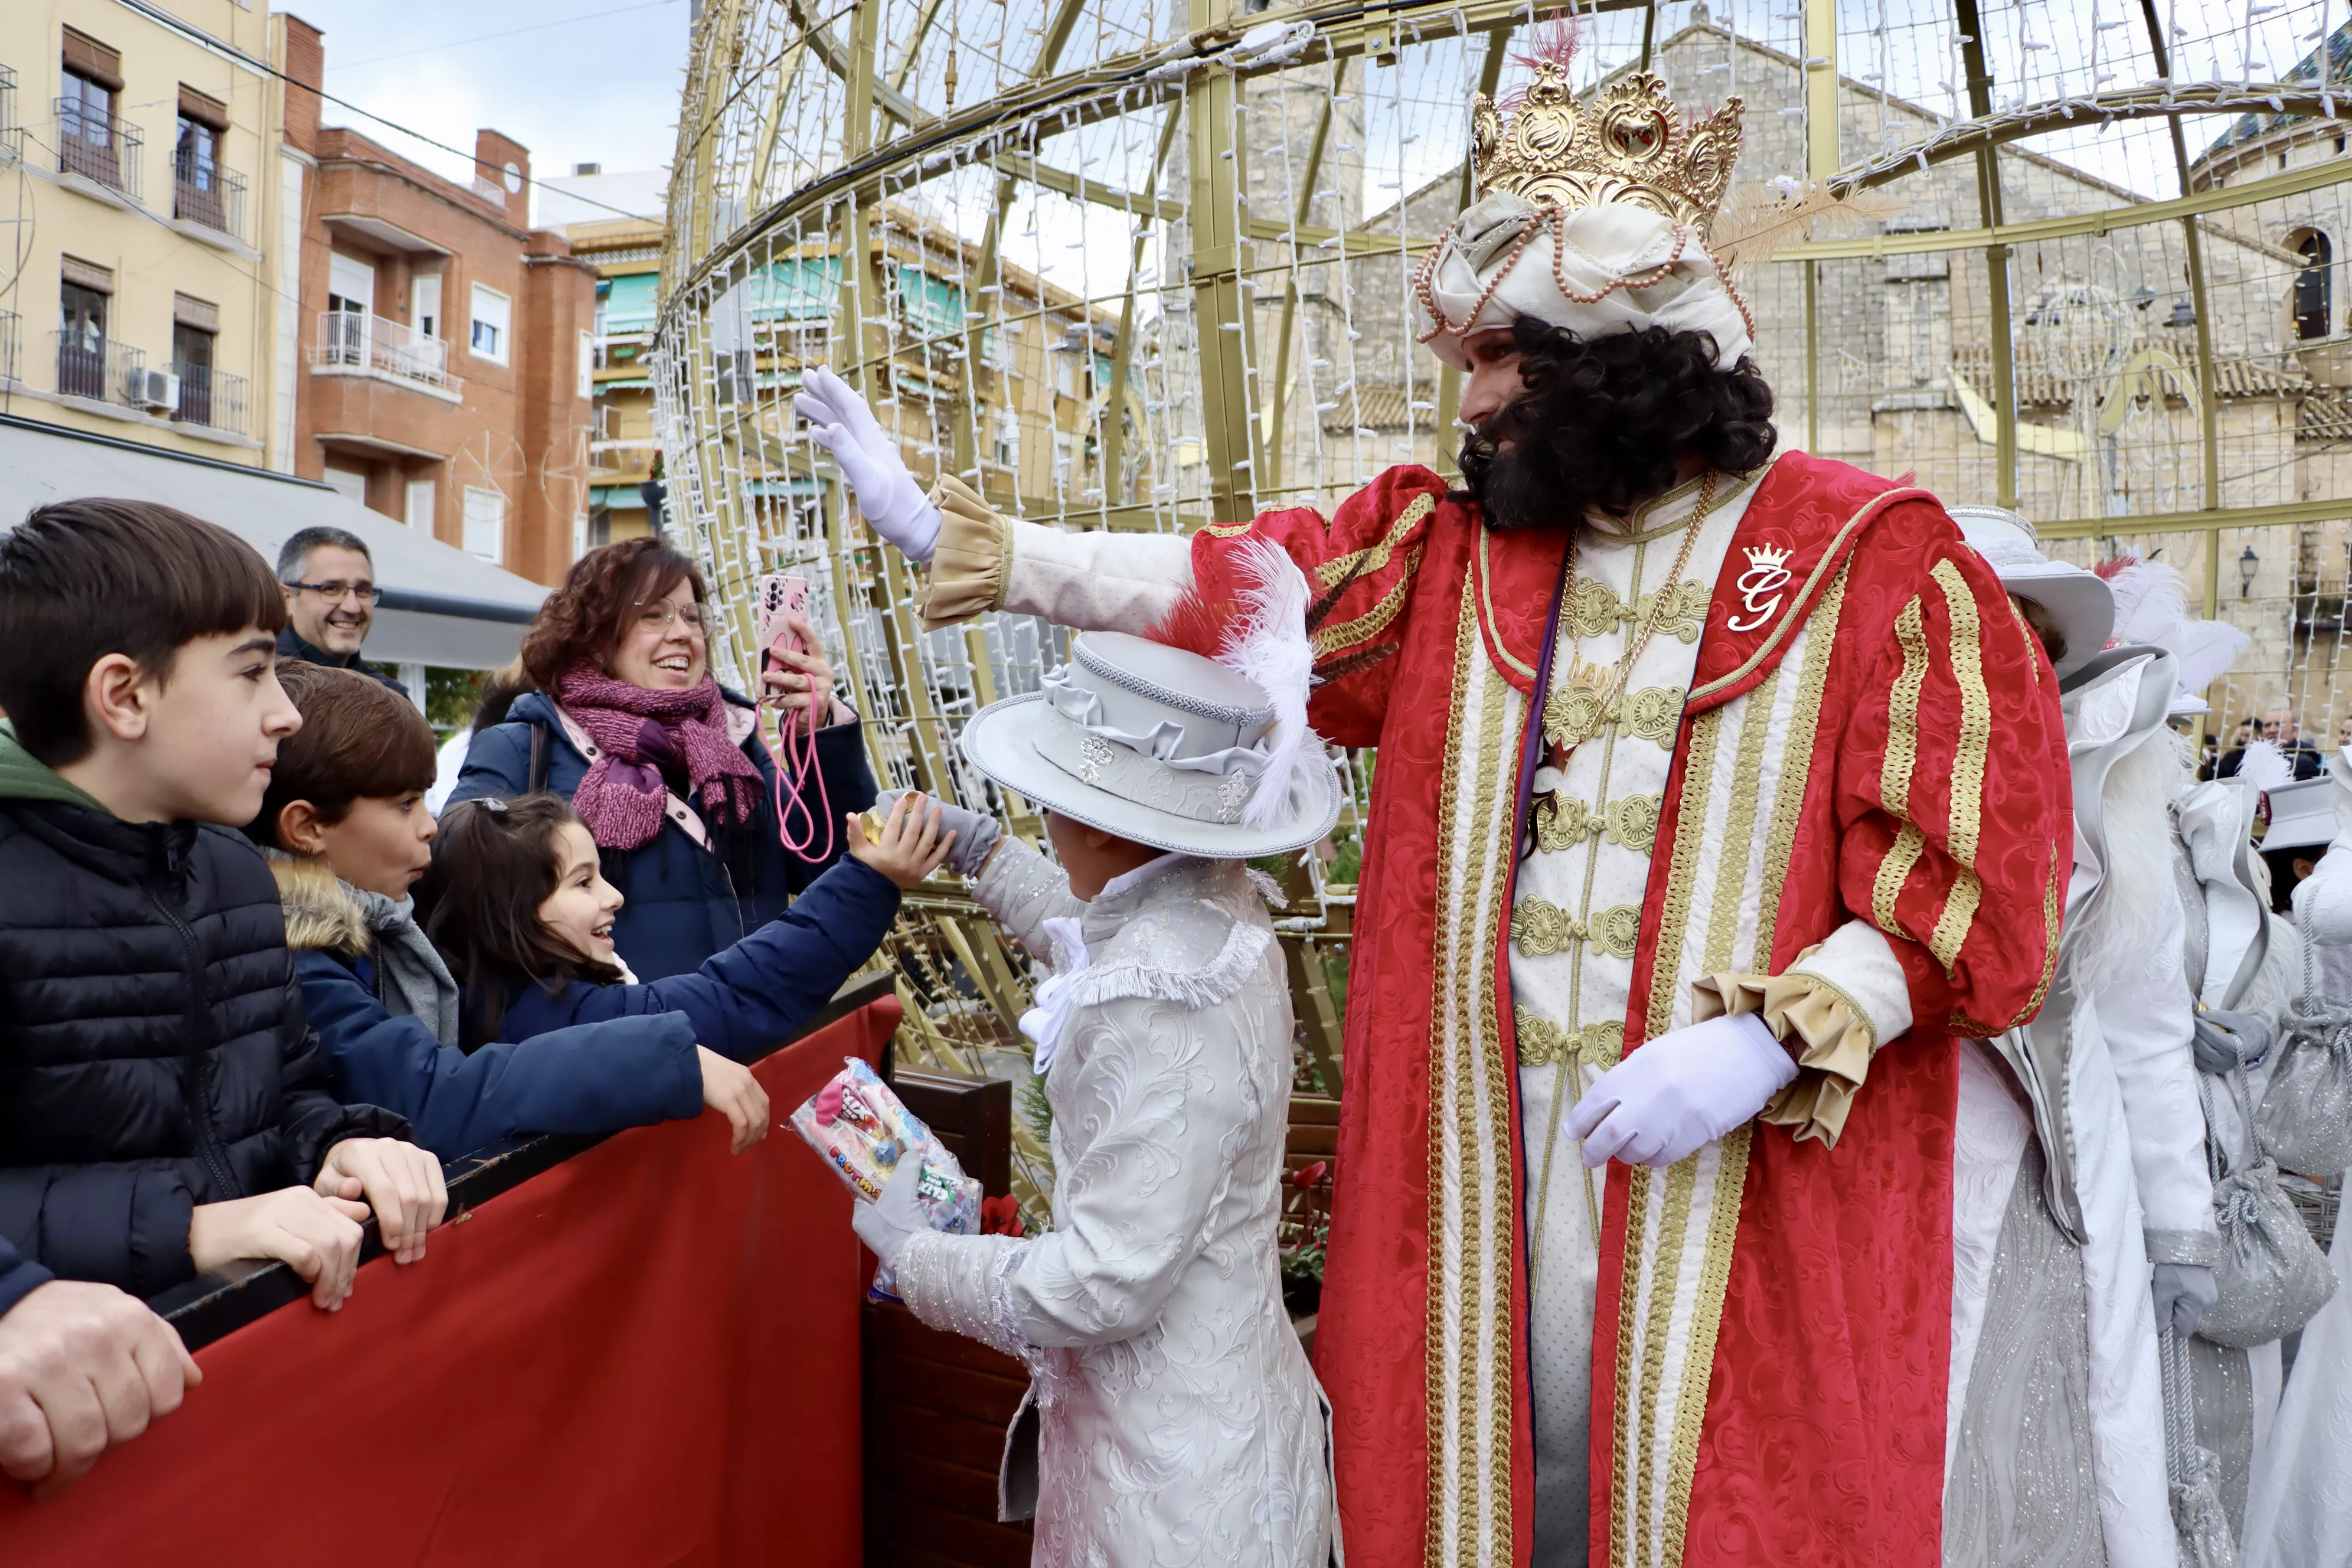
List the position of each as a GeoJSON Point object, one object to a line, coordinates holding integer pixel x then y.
{"type": "Point", "coordinates": [510, 32]}
{"type": "Point", "coordinates": [198, 35]}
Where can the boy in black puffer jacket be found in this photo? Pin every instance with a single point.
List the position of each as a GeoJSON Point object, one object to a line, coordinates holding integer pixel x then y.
{"type": "Point", "coordinates": [162, 1109]}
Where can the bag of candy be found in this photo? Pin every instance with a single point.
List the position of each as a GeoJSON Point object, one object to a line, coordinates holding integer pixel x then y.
{"type": "Point", "coordinates": [863, 1129]}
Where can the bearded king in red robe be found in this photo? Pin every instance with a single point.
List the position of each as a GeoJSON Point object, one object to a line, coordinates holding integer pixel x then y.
{"type": "Point", "coordinates": [1690, 855]}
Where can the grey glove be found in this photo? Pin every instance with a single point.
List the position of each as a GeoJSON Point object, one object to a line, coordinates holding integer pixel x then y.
{"type": "Point", "coordinates": [976, 833]}
{"type": "Point", "coordinates": [885, 1224]}
{"type": "Point", "coordinates": [2185, 1292]}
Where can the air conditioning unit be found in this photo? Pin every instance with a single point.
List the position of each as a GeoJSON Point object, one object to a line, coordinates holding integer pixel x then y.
{"type": "Point", "coordinates": [157, 391]}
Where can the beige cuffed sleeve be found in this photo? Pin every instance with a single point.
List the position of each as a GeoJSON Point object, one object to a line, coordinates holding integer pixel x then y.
{"type": "Point", "coordinates": [969, 562]}
{"type": "Point", "coordinates": [1841, 1000]}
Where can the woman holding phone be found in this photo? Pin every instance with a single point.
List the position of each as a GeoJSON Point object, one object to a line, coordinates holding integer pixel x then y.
{"type": "Point", "coordinates": [664, 765]}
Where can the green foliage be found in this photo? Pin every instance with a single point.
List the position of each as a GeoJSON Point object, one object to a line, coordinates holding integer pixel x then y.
{"type": "Point", "coordinates": [1035, 1111]}
{"type": "Point", "coordinates": [451, 696]}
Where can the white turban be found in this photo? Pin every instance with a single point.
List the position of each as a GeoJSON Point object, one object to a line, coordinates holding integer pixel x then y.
{"type": "Point", "coordinates": [1610, 268]}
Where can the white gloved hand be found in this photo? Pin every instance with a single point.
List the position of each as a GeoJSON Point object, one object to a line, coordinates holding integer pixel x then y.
{"type": "Point", "coordinates": [868, 458]}
{"type": "Point", "coordinates": [2185, 1292]}
{"type": "Point", "coordinates": [1680, 1091]}
{"type": "Point", "coordinates": [885, 1224]}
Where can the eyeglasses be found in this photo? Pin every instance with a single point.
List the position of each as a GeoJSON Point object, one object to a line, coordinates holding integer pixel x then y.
{"type": "Point", "coordinates": [365, 593]}
{"type": "Point", "coordinates": [659, 616]}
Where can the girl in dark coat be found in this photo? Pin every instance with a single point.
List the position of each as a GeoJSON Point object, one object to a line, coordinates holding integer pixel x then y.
{"type": "Point", "coordinates": [517, 901]}
{"type": "Point", "coordinates": [665, 766]}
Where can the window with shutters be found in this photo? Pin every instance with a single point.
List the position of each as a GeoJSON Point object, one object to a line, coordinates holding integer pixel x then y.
{"type": "Point", "coordinates": [493, 315]}
{"type": "Point", "coordinates": [486, 524]}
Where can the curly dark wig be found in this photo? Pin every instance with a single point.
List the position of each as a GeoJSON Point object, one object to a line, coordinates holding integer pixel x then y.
{"type": "Point", "coordinates": [1605, 423]}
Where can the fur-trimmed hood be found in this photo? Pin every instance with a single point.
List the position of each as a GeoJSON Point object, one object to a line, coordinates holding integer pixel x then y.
{"type": "Point", "coordinates": [319, 915]}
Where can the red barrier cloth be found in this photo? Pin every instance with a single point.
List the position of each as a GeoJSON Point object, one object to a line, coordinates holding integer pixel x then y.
{"type": "Point", "coordinates": [647, 1356]}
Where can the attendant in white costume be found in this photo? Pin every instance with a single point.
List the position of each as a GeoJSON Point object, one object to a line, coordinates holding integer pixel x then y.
{"type": "Point", "coordinates": [1171, 1416]}
{"type": "Point", "coordinates": [2082, 1212]}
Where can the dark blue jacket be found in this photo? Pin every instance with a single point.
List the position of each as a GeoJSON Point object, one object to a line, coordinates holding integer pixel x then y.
{"type": "Point", "coordinates": [684, 905]}
{"type": "Point", "coordinates": [19, 1276]}
{"type": "Point", "coordinates": [755, 994]}
{"type": "Point", "coordinates": [598, 1078]}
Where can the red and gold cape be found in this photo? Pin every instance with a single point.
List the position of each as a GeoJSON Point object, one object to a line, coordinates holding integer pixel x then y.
{"type": "Point", "coordinates": [1877, 742]}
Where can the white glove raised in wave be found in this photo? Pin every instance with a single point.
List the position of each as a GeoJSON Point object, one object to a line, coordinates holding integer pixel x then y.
{"type": "Point", "coordinates": [867, 456]}
{"type": "Point", "coordinates": [885, 1224]}
{"type": "Point", "coordinates": [1681, 1091]}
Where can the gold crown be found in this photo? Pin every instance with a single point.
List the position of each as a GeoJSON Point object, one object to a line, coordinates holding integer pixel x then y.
{"type": "Point", "coordinates": [1629, 144]}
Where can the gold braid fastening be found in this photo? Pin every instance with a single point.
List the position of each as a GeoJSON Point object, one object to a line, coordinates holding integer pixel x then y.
{"type": "Point", "coordinates": [1540, 928]}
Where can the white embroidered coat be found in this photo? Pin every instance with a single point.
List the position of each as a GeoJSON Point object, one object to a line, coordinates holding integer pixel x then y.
{"type": "Point", "coordinates": [1176, 1419]}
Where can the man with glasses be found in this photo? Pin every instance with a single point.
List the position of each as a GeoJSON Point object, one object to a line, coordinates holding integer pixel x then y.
{"type": "Point", "coordinates": [329, 581]}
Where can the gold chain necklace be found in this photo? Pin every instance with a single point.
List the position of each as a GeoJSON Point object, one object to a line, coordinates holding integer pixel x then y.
{"type": "Point", "coordinates": [1588, 701]}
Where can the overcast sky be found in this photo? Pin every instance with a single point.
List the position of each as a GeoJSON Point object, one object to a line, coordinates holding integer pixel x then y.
{"type": "Point", "coordinates": [588, 82]}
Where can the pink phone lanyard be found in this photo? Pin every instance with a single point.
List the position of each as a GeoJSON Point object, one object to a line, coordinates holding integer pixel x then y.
{"type": "Point", "coordinates": [797, 825]}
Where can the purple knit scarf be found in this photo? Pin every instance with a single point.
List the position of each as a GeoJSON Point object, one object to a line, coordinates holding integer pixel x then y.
{"type": "Point", "coordinates": [623, 798]}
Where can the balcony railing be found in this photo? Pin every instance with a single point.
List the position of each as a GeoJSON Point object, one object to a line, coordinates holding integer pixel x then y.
{"type": "Point", "coordinates": [203, 192]}
{"type": "Point", "coordinates": [210, 397]}
{"type": "Point", "coordinates": [392, 347]}
{"type": "Point", "coordinates": [100, 369]}
{"type": "Point", "coordinates": [98, 146]}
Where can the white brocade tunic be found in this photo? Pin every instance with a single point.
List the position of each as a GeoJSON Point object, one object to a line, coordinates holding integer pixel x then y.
{"type": "Point", "coordinates": [1576, 917]}
{"type": "Point", "coordinates": [1177, 1419]}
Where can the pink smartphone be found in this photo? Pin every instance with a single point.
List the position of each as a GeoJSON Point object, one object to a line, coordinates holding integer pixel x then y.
{"type": "Point", "coordinates": [778, 593]}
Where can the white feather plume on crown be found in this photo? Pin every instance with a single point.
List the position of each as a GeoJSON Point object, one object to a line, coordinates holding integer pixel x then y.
{"type": "Point", "coordinates": [1266, 642]}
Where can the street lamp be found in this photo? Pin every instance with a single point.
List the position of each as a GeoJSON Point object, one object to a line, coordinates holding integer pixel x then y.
{"type": "Point", "coordinates": [2248, 565]}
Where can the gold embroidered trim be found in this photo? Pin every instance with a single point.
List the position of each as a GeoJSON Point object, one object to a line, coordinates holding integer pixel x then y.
{"type": "Point", "coordinates": [1796, 766]}
{"type": "Point", "coordinates": [1543, 1043]}
{"type": "Point", "coordinates": [1374, 621]}
{"type": "Point", "coordinates": [1540, 928]}
{"type": "Point", "coordinates": [1486, 574]}
{"type": "Point", "coordinates": [1637, 1228]}
{"type": "Point", "coordinates": [1434, 1327]}
{"type": "Point", "coordinates": [1680, 1177]}
{"type": "Point", "coordinates": [1740, 823]}
{"type": "Point", "coordinates": [1502, 721]}
{"type": "Point", "coordinates": [1795, 612]}
{"type": "Point", "coordinates": [1967, 765]}
{"type": "Point", "coordinates": [1706, 1325]}
{"type": "Point", "coordinates": [1690, 818]}
{"type": "Point", "coordinates": [2048, 944]}
{"type": "Point", "coordinates": [1895, 769]}
{"type": "Point", "coordinates": [1901, 856]}
{"type": "Point", "coordinates": [1332, 572]}
{"type": "Point", "coordinates": [1631, 821]}
{"type": "Point", "coordinates": [1975, 714]}
{"type": "Point", "coordinates": [1227, 529]}
{"type": "Point", "coordinates": [2033, 643]}
{"type": "Point", "coordinates": [1596, 609]}
{"type": "Point", "coordinates": [1573, 715]}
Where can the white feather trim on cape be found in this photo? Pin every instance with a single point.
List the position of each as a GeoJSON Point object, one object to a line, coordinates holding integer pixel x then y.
{"type": "Point", "coordinates": [1267, 643]}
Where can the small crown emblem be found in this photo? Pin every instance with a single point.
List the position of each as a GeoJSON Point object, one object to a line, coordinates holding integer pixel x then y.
{"type": "Point", "coordinates": [1767, 557]}
{"type": "Point", "coordinates": [1629, 144]}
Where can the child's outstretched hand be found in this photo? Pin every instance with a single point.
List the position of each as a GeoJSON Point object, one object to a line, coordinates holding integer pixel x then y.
{"type": "Point", "coordinates": [912, 846]}
{"type": "Point", "coordinates": [728, 1088]}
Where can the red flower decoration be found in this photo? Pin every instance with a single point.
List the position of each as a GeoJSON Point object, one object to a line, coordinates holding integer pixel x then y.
{"type": "Point", "coordinates": [1307, 1176]}
{"type": "Point", "coordinates": [1001, 1216]}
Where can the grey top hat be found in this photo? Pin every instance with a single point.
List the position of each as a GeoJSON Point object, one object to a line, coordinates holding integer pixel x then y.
{"type": "Point", "coordinates": [1159, 745]}
{"type": "Point", "coordinates": [2079, 603]}
{"type": "Point", "coordinates": [2302, 815]}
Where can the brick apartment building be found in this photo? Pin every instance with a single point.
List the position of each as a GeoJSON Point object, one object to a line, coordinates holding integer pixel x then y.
{"type": "Point", "coordinates": [447, 346]}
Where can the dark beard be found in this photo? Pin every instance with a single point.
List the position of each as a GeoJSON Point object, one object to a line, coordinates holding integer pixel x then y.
{"type": "Point", "coordinates": [1604, 426]}
{"type": "Point", "coordinates": [1523, 488]}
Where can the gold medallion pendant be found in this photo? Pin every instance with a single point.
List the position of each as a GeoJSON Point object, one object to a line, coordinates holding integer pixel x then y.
{"type": "Point", "coordinates": [1579, 703]}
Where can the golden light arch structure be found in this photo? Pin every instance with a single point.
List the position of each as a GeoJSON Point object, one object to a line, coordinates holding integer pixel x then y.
{"type": "Point", "coordinates": [1142, 265]}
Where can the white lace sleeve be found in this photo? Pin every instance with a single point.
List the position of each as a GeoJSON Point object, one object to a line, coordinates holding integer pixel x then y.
{"type": "Point", "coordinates": [962, 1284]}
{"type": "Point", "coordinates": [1023, 890]}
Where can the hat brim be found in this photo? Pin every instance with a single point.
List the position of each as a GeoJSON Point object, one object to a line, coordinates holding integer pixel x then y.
{"type": "Point", "coordinates": [2078, 603]}
{"type": "Point", "coordinates": [1001, 742]}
